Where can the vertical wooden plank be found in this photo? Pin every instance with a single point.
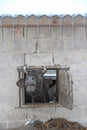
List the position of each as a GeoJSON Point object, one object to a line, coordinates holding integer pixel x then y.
{"type": "Point", "coordinates": [65, 89]}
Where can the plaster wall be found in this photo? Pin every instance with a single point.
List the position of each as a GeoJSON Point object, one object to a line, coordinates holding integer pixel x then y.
{"type": "Point", "coordinates": [64, 44]}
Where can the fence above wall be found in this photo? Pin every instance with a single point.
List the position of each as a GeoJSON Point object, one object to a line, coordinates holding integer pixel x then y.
{"type": "Point", "coordinates": [43, 21]}
{"type": "Point", "coordinates": [34, 34]}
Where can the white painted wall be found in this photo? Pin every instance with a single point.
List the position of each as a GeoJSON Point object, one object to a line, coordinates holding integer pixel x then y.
{"type": "Point", "coordinates": [61, 45]}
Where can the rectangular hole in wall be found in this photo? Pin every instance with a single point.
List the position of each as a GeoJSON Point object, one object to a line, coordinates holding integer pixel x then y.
{"type": "Point", "coordinates": [46, 86]}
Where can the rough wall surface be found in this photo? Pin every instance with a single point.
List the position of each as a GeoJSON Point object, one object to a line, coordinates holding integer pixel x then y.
{"type": "Point", "coordinates": [56, 40]}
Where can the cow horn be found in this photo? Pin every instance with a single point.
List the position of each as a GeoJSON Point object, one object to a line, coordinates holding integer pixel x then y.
{"type": "Point", "coordinates": [24, 68]}
{"type": "Point", "coordinates": [44, 69]}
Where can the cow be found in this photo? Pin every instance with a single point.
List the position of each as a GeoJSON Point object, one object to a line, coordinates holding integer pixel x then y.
{"type": "Point", "coordinates": [41, 88]}
{"type": "Point", "coordinates": [34, 86]}
{"type": "Point", "coordinates": [37, 86]}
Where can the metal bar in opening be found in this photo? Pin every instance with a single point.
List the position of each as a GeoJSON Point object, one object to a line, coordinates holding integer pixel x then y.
{"type": "Point", "coordinates": [24, 89]}
{"type": "Point", "coordinates": [44, 97]}
{"type": "Point", "coordinates": [19, 93]}
{"type": "Point", "coordinates": [57, 85]}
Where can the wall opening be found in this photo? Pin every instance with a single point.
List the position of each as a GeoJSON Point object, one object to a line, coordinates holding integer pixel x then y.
{"type": "Point", "coordinates": [45, 85]}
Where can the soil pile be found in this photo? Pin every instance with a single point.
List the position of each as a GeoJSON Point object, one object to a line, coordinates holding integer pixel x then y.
{"type": "Point", "coordinates": [52, 124]}
{"type": "Point", "coordinates": [58, 124]}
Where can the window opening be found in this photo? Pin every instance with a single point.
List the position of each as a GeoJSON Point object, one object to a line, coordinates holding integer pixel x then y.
{"type": "Point", "coordinates": [49, 85]}
{"type": "Point", "coordinates": [40, 87]}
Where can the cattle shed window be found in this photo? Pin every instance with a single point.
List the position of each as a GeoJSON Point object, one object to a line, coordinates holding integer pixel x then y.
{"type": "Point", "coordinates": [45, 85]}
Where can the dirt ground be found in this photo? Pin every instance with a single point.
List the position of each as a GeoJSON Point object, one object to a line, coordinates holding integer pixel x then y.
{"type": "Point", "coordinates": [52, 124]}
{"type": "Point", "coordinates": [58, 124]}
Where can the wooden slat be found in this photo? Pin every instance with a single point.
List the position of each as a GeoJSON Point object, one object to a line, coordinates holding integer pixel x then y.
{"type": "Point", "coordinates": [65, 67]}
{"type": "Point", "coordinates": [65, 89]}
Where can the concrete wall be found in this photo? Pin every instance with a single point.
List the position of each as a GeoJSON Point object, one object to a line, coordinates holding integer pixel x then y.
{"type": "Point", "coordinates": [56, 40]}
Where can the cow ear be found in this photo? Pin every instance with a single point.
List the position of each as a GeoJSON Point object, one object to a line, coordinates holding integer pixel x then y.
{"type": "Point", "coordinates": [20, 83]}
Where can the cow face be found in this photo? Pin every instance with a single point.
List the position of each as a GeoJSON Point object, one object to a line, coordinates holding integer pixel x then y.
{"type": "Point", "coordinates": [30, 80]}
{"type": "Point", "coordinates": [30, 83]}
